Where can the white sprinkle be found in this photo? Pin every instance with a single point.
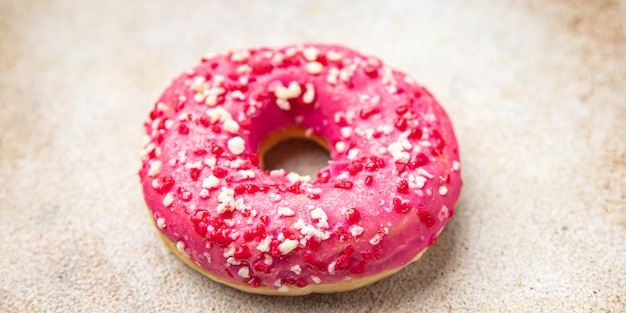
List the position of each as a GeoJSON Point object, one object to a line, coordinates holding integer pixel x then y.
{"type": "Point", "coordinates": [309, 94]}
{"type": "Point", "coordinates": [155, 168]}
{"type": "Point", "coordinates": [314, 68]}
{"type": "Point", "coordinates": [316, 279]}
{"type": "Point", "coordinates": [296, 269]}
{"type": "Point", "coordinates": [318, 213]}
{"type": "Point", "coordinates": [331, 268]}
{"type": "Point", "coordinates": [376, 239]}
{"type": "Point", "coordinates": [180, 246]}
{"type": "Point", "coordinates": [283, 288]}
{"type": "Point", "coordinates": [231, 126]}
{"type": "Point", "coordinates": [346, 131]}
{"type": "Point", "coordinates": [240, 56]}
{"type": "Point", "coordinates": [264, 245]}
{"type": "Point", "coordinates": [278, 282]}
{"type": "Point", "coordinates": [356, 230]}
{"type": "Point", "coordinates": [169, 123]}
{"type": "Point", "coordinates": [334, 55]}
{"type": "Point", "coordinates": [443, 190]}
{"type": "Point", "coordinates": [233, 261]}
{"type": "Point", "coordinates": [353, 153]}
{"type": "Point", "coordinates": [456, 165]}
{"type": "Point", "coordinates": [295, 177]}
{"type": "Point", "coordinates": [420, 181]}
{"type": "Point", "coordinates": [245, 174]}
{"type": "Point", "coordinates": [244, 272]}
{"type": "Point", "coordinates": [291, 51]}
{"type": "Point", "coordinates": [236, 145]}
{"type": "Point", "coordinates": [219, 79]}
{"type": "Point", "coordinates": [310, 53]}
{"type": "Point", "coordinates": [268, 259]}
{"type": "Point", "coordinates": [287, 246]}
{"type": "Point", "coordinates": [204, 193]}
{"type": "Point", "coordinates": [277, 172]}
{"type": "Point", "coordinates": [423, 172]}
{"type": "Point", "coordinates": [343, 175]}
{"type": "Point", "coordinates": [443, 214]}
{"type": "Point", "coordinates": [340, 146]}
{"type": "Point", "coordinates": [291, 92]}
{"type": "Point", "coordinates": [283, 104]}
{"type": "Point", "coordinates": [160, 223]}
{"type": "Point", "coordinates": [168, 199]}
{"type": "Point", "coordinates": [243, 68]}
{"type": "Point", "coordinates": [285, 211]}
{"type": "Point", "coordinates": [211, 182]}
{"type": "Point", "coordinates": [237, 94]}
{"type": "Point", "coordinates": [218, 114]}
{"type": "Point", "coordinates": [333, 74]}
{"type": "Point", "coordinates": [278, 58]}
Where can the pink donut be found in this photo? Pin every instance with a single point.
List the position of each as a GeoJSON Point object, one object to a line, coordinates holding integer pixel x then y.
{"type": "Point", "coordinates": [389, 190]}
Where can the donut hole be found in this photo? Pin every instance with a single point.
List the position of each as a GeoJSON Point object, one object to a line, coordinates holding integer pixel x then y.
{"type": "Point", "coordinates": [290, 150]}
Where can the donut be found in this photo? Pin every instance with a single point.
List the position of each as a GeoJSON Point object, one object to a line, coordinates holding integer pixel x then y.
{"type": "Point", "coordinates": [390, 187]}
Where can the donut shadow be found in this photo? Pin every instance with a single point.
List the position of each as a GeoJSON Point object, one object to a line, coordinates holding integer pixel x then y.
{"type": "Point", "coordinates": [412, 284]}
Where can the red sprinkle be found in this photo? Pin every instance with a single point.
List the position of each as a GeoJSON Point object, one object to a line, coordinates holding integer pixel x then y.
{"type": "Point", "coordinates": [342, 234]}
{"type": "Point", "coordinates": [183, 129]}
{"type": "Point", "coordinates": [367, 112]}
{"type": "Point", "coordinates": [254, 159]}
{"type": "Point", "coordinates": [353, 215]}
{"type": "Point", "coordinates": [261, 68]}
{"type": "Point", "coordinates": [199, 152]}
{"type": "Point", "coordinates": [295, 188]}
{"type": "Point", "coordinates": [220, 172]}
{"type": "Point", "coordinates": [194, 173]}
{"type": "Point", "coordinates": [369, 180]}
{"type": "Point", "coordinates": [344, 184]}
{"type": "Point", "coordinates": [401, 206]}
{"type": "Point", "coordinates": [420, 159]}
{"type": "Point", "coordinates": [239, 189]}
{"type": "Point", "coordinates": [355, 167]}
{"type": "Point", "coordinates": [313, 196]}
{"type": "Point", "coordinates": [166, 184]}
{"type": "Point", "coordinates": [242, 252]}
{"type": "Point", "coordinates": [426, 218]}
{"type": "Point", "coordinates": [215, 149]}
{"type": "Point", "coordinates": [205, 121]}
{"type": "Point", "coordinates": [433, 240]}
{"type": "Point", "coordinates": [261, 267]}
{"type": "Point", "coordinates": [400, 123]}
{"type": "Point", "coordinates": [402, 109]}
{"type": "Point", "coordinates": [403, 186]}
{"type": "Point", "coordinates": [200, 223]}
{"type": "Point", "coordinates": [415, 133]}
{"type": "Point", "coordinates": [255, 282]}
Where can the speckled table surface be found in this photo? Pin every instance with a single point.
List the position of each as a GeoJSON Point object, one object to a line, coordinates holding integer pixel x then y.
{"type": "Point", "coordinates": [536, 90]}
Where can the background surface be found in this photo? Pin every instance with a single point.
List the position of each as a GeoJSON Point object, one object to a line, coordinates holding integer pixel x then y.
{"type": "Point", "coordinates": [536, 91]}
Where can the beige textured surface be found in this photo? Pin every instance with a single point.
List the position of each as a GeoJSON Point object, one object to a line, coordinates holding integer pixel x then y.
{"type": "Point", "coordinates": [536, 89]}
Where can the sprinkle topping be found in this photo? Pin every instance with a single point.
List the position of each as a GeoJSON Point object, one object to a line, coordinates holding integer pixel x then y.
{"type": "Point", "coordinates": [392, 183]}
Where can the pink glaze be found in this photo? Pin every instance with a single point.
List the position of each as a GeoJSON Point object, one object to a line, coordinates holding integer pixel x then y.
{"type": "Point", "coordinates": [391, 187]}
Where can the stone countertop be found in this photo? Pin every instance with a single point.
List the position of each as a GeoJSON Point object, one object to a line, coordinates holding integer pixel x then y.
{"type": "Point", "coordinates": [536, 91]}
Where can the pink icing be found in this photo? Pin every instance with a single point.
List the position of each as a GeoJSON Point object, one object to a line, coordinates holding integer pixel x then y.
{"type": "Point", "coordinates": [391, 187]}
